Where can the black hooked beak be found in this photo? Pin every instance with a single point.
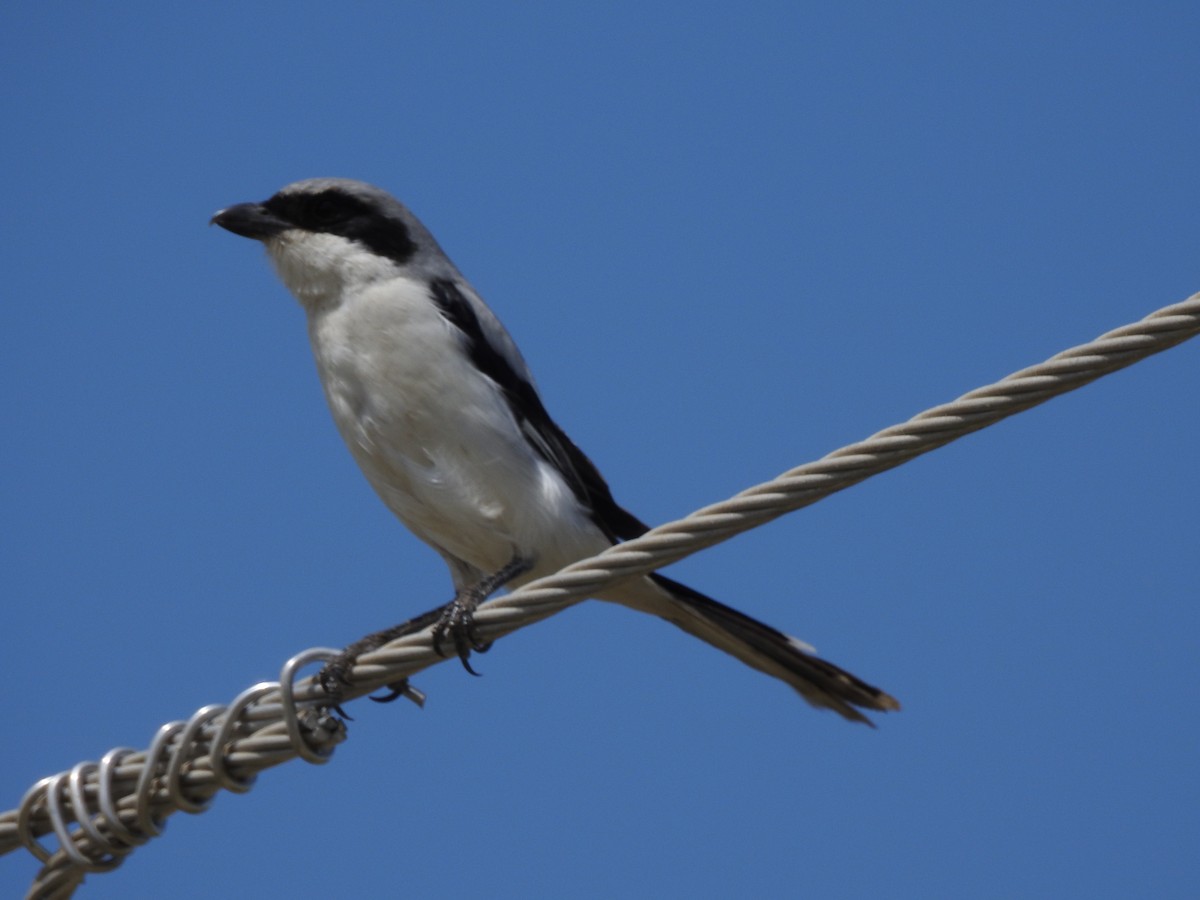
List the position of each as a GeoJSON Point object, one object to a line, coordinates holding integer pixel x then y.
{"type": "Point", "coordinates": [252, 220]}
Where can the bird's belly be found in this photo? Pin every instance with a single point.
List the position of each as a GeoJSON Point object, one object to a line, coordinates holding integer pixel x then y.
{"type": "Point", "coordinates": [480, 501]}
{"type": "Point", "coordinates": [447, 457]}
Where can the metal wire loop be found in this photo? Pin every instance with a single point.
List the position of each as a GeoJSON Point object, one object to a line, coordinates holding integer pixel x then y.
{"type": "Point", "coordinates": [25, 817]}
{"type": "Point", "coordinates": [104, 854]}
{"type": "Point", "coordinates": [297, 734]}
{"type": "Point", "coordinates": [147, 822]}
{"type": "Point", "coordinates": [216, 755]}
{"type": "Point", "coordinates": [108, 807]}
{"type": "Point", "coordinates": [187, 748]}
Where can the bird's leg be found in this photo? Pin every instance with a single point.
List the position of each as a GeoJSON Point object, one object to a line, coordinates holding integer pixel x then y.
{"type": "Point", "coordinates": [458, 616]}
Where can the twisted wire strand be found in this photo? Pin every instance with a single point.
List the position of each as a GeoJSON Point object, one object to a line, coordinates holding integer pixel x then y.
{"type": "Point", "coordinates": [124, 800]}
{"type": "Point", "coordinates": [806, 484]}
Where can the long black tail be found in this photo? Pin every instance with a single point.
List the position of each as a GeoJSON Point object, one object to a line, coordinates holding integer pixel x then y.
{"type": "Point", "coordinates": [771, 651]}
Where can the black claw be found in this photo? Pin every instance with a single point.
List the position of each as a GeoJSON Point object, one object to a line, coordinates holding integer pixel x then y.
{"type": "Point", "coordinates": [457, 622]}
{"type": "Point", "coordinates": [396, 690]}
{"type": "Point", "coordinates": [333, 677]}
{"type": "Point", "coordinates": [471, 638]}
{"type": "Point", "coordinates": [462, 646]}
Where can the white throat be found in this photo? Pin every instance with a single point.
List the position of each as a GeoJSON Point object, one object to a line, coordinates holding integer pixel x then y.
{"type": "Point", "coordinates": [320, 268]}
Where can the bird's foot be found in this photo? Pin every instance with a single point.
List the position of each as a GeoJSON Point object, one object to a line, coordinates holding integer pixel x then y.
{"type": "Point", "coordinates": [457, 619]}
{"type": "Point", "coordinates": [334, 676]}
{"type": "Point", "coordinates": [457, 622]}
{"type": "Point", "coordinates": [333, 679]}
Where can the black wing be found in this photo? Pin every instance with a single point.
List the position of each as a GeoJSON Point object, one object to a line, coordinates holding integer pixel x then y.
{"type": "Point", "coordinates": [542, 432]}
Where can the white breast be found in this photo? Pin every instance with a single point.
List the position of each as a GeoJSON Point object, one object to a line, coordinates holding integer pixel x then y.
{"type": "Point", "coordinates": [435, 438]}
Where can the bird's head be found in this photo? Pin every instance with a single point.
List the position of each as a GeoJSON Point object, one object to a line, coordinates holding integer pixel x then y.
{"type": "Point", "coordinates": [327, 236]}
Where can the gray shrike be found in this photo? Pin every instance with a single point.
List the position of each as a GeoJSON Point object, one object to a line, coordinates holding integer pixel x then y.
{"type": "Point", "coordinates": [440, 411]}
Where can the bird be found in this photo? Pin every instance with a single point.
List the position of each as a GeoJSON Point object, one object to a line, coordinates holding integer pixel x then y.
{"type": "Point", "coordinates": [441, 413]}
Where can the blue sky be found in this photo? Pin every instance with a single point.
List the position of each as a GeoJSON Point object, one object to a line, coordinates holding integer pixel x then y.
{"type": "Point", "coordinates": [728, 241]}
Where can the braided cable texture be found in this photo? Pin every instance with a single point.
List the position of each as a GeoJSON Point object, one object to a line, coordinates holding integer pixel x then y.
{"type": "Point", "coordinates": [124, 800]}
